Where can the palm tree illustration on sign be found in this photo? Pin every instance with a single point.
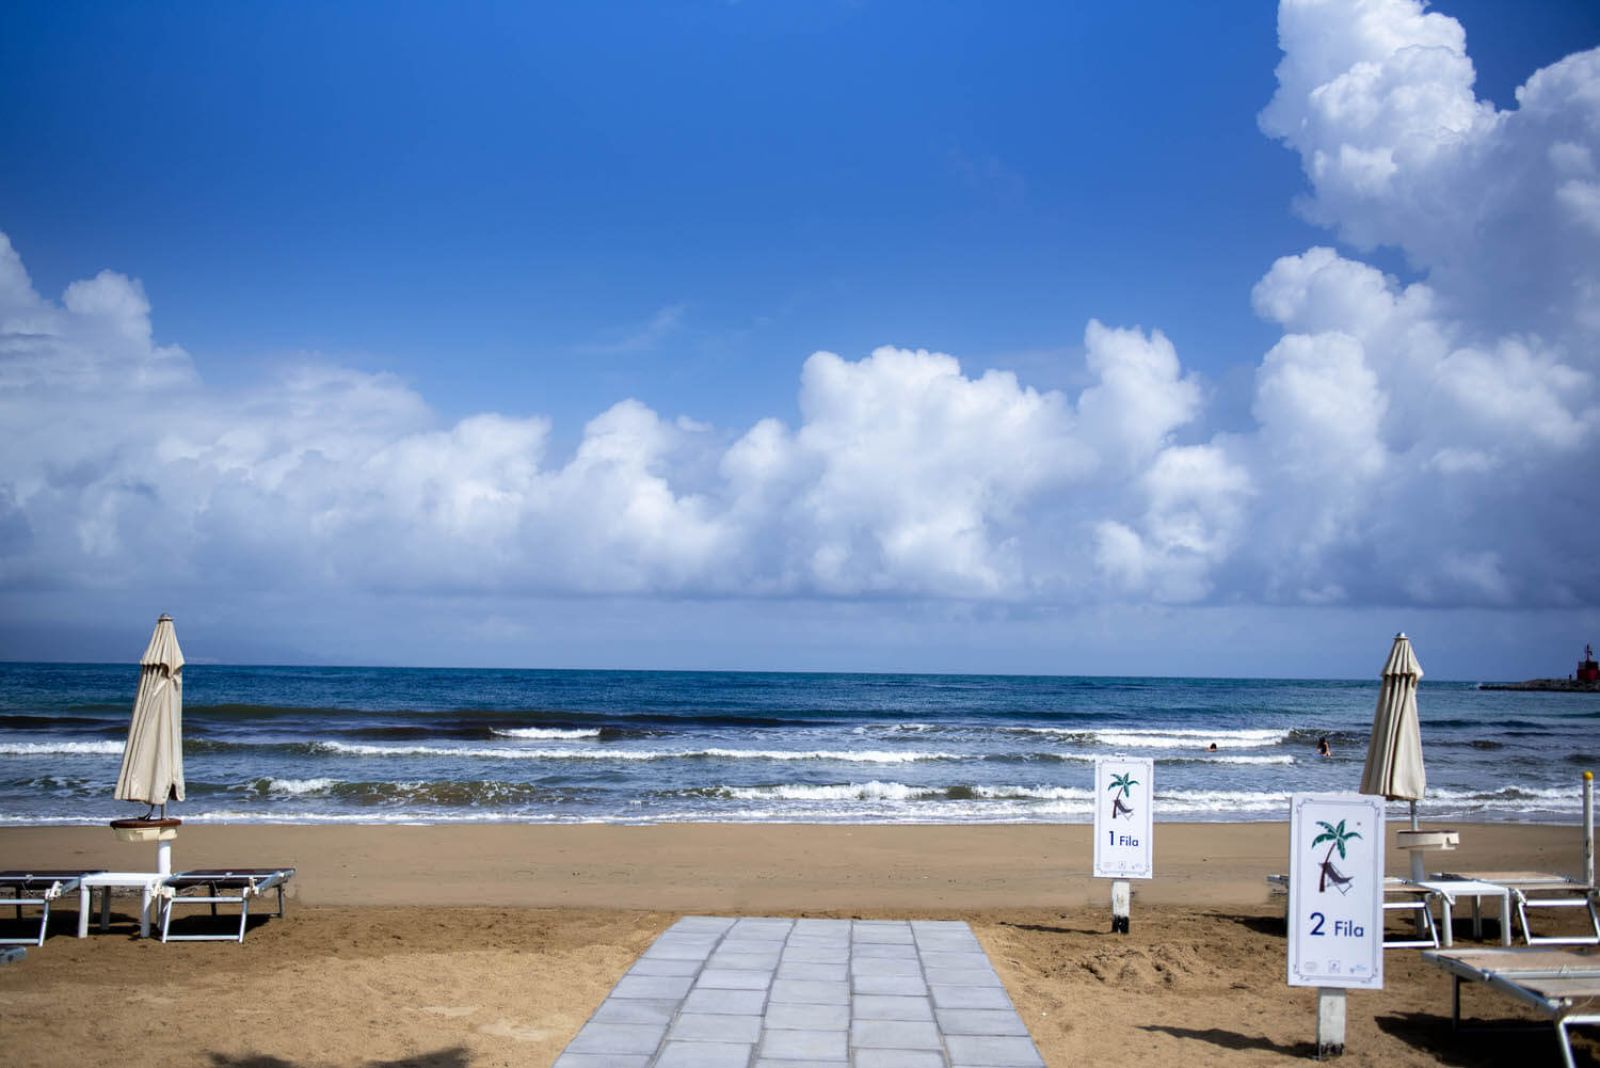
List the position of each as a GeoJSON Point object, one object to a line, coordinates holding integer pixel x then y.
{"type": "Point", "coordinates": [1123, 785]}
{"type": "Point", "coordinates": [1330, 874]}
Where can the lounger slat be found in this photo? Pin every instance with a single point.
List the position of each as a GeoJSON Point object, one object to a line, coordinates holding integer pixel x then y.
{"type": "Point", "coordinates": [1560, 983]}
{"type": "Point", "coordinates": [37, 889]}
{"type": "Point", "coordinates": [249, 882]}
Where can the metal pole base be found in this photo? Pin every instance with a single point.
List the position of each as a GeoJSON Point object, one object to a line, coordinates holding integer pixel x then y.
{"type": "Point", "coordinates": [1330, 1023]}
{"type": "Point", "coordinates": [1121, 899]}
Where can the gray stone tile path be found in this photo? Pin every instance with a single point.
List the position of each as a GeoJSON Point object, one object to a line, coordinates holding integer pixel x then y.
{"type": "Point", "coordinates": [762, 992]}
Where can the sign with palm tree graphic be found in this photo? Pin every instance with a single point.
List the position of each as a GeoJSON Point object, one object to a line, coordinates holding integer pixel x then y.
{"type": "Point", "coordinates": [1338, 836]}
{"type": "Point", "coordinates": [1336, 890]}
{"type": "Point", "coordinates": [1123, 817]}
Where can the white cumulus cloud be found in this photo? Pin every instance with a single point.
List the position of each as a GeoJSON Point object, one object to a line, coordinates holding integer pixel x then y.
{"type": "Point", "coordinates": [1419, 441]}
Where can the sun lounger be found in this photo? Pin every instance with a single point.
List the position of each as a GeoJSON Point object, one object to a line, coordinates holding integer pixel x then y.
{"type": "Point", "coordinates": [1399, 895]}
{"type": "Point", "coordinates": [1563, 984]}
{"type": "Point", "coordinates": [1447, 889]}
{"type": "Point", "coordinates": [37, 889]}
{"type": "Point", "coordinates": [1545, 890]}
{"type": "Point", "coordinates": [222, 886]}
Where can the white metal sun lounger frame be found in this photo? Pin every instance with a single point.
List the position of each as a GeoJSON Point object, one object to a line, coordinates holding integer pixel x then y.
{"type": "Point", "coordinates": [1585, 898]}
{"type": "Point", "coordinates": [1541, 890]}
{"type": "Point", "coordinates": [244, 884]}
{"type": "Point", "coordinates": [51, 885]}
{"type": "Point", "coordinates": [1563, 1009]}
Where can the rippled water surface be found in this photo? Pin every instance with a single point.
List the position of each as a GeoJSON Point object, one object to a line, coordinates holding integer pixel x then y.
{"type": "Point", "coordinates": [267, 744]}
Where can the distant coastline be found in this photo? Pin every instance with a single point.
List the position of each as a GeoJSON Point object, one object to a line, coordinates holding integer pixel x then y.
{"type": "Point", "coordinates": [1545, 686]}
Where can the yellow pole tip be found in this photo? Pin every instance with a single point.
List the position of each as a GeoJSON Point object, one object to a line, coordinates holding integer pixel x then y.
{"type": "Point", "coordinates": [1588, 776]}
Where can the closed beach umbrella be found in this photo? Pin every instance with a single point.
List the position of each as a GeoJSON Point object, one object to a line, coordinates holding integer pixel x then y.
{"type": "Point", "coordinates": [1394, 755]}
{"type": "Point", "coordinates": [152, 762]}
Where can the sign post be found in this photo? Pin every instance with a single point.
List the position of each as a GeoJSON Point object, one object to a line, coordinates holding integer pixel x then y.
{"type": "Point", "coordinates": [1124, 825]}
{"type": "Point", "coordinates": [1335, 903]}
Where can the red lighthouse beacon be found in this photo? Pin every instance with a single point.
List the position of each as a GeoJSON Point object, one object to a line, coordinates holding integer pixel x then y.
{"type": "Point", "coordinates": [1588, 670]}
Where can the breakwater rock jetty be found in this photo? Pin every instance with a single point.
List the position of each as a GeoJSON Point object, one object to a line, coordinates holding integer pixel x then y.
{"type": "Point", "coordinates": [1552, 685]}
{"type": "Point", "coordinates": [1584, 680]}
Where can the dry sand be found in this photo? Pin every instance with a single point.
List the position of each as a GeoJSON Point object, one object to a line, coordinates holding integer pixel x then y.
{"type": "Point", "coordinates": [538, 923]}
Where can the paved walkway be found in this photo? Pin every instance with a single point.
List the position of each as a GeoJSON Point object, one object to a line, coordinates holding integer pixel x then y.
{"type": "Point", "coordinates": [716, 992]}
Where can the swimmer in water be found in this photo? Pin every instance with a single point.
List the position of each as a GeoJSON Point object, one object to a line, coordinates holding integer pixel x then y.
{"type": "Point", "coordinates": [1212, 748]}
{"type": "Point", "coordinates": [1322, 747]}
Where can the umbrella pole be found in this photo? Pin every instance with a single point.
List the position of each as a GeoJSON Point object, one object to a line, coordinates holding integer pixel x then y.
{"type": "Point", "coordinates": [1418, 866]}
{"type": "Point", "coordinates": [1588, 827]}
{"type": "Point", "coordinates": [164, 849]}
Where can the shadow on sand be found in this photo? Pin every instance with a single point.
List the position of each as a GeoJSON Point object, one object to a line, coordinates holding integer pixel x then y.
{"type": "Point", "coordinates": [455, 1057]}
{"type": "Point", "coordinates": [1505, 1041]}
{"type": "Point", "coordinates": [1235, 1041]}
{"type": "Point", "coordinates": [1267, 925]}
{"type": "Point", "coordinates": [1045, 928]}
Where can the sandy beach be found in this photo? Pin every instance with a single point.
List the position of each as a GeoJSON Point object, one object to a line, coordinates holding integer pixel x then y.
{"type": "Point", "coordinates": [490, 945]}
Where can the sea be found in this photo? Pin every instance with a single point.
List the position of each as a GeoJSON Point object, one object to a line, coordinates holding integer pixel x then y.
{"type": "Point", "coordinates": [421, 746]}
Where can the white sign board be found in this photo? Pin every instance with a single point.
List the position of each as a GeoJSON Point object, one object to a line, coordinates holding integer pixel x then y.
{"type": "Point", "coordinates": [1124, 789]}
{"type": "Point", "coordinates": [1336, 890]}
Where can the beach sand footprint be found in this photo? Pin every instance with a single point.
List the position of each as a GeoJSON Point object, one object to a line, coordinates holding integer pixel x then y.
{"type": "Point", "coordinates": [503, 1028]}
{"type": "Point", "coordinates": [453, 1012]}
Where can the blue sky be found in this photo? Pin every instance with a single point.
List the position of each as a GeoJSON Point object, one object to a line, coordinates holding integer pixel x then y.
{"type": "Point", "coordinates": [400, 219]}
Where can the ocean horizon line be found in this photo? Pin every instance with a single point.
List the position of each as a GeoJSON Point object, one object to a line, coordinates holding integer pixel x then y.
{"type": "Point", "coordinates": [203, 662]}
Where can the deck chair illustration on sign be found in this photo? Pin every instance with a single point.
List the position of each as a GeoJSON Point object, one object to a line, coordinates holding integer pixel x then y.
{"type": "Point", "coordinates": [221, 886]}
{"type": "Point", "coordinates": [37, 889]}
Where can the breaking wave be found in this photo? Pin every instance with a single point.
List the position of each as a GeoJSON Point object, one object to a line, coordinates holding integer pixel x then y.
{"type": "Point", "coordinates": [61, 748]}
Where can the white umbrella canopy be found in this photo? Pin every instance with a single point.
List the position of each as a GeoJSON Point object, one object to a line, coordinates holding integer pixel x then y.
{"type": "Point", "coordinates": [1394, 755]}
{"type": "Point", "coordinates": [152, 761]}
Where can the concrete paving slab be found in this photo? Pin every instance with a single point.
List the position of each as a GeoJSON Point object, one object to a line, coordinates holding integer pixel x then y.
{"type": "Point", "coordinates": [961, 976]}
{"type": "Point", "coordinates": [602, 1060]}
{"type": "Point", "coordinates": [727, 1002]}
{"type": "Point", "coordinates": [703, 1055]}
{"type": "Point", "coordinates": [833, 973]}
{"type": "Point", "coordinates": [727, 979]}
{"type": "Point", "coordinates": [768, 992]}
{"type": "Point", "coordinates": [810, 992]}
{"type": "Point", "coordinates": [898, 1058]}
{"type": "Point", "coordinates": [805, 1045]}
{"type": "Point", "coordinates": [897, 950]}
{"type": "Point", "coordinates": [819, 954]}
{"type": "Point", "coordinates": [652, 986]}
{"type": "Point", "coordinates": [637, 1011]}
{"type": "Point", "coordinates": [974, 1051]}
{"type": "Point", "coordinates": [980, 1022]}
{"type": "Point", "coordinates": [885, 966]}
{"type": "Point", "coordinates": [969, 997]}
{"type": "Point", "coordinates": [707, 1027]}
{"type": "Point", "coordinates": [881, 1007]}
{"type": "Point", "coordinates": [901, 985]}
{"type": "Point", "coordinates": [894, 1034]}
{"type": "Point", "coordinates": [975, 959]}
{"type": "Point", "coordinates": [795, 1017]}
{"type": "Point", "coordinates": [665, 966]}
{"type": "Point", "coordinates": [740, 962]}
{"type": "Point", "coordinates": [617, 1038]}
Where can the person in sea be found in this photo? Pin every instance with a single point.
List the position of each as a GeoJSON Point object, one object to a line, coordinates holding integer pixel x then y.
{"type": "Point", "coordinates": [1323, 749]}
{"type": "Point", "coordinates": [1212, 748]}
